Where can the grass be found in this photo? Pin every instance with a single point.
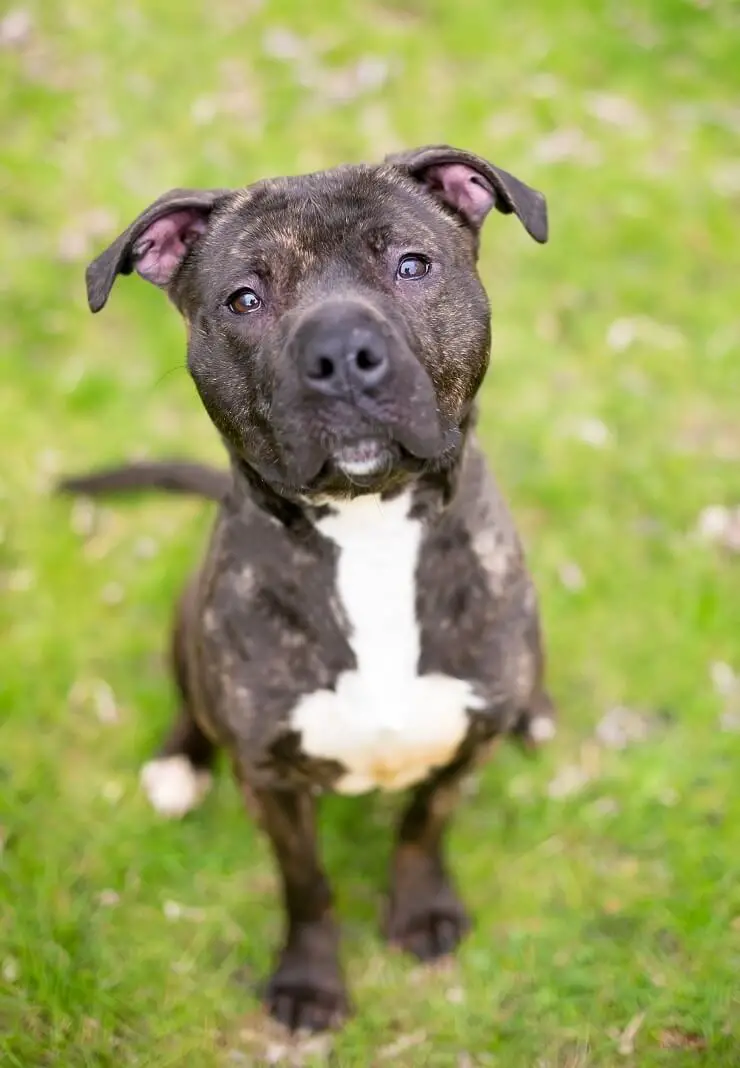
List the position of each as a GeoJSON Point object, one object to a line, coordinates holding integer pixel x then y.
{"type": "Point", "coordinates": [607, 920]}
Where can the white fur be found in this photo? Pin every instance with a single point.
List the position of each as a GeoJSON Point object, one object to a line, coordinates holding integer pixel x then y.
{"type": "Point", "coordinates": [385, 723]}
{"type": "Point", "coordinates": [174, 786]}
{"type": "Point", "coordinates": [542, 729]}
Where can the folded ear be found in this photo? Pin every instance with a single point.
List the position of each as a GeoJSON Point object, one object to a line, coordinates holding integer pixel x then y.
{"type": "Point", "coordinates": [471, 186]}
{"type": "Point", "coordinates": [155, 244]}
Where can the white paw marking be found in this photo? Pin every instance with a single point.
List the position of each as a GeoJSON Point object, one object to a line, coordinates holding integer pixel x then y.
{"type": "Point", "coordinates": [174, 787]}
{"type": "Point", "coordinates": [542, 729]}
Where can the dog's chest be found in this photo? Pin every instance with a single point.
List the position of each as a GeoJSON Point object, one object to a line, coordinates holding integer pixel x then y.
{"type": "Point", "coordinates": [384, 723]}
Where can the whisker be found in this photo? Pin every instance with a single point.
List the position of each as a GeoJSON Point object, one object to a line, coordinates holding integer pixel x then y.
{"type": "Point", "coordinates": [177, 367]}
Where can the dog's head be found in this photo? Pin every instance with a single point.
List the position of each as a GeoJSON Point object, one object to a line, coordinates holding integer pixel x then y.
{"type": "Point", "coordinates": [337, 328]}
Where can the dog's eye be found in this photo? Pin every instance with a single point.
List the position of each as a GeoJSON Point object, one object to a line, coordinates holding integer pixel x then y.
{"type": "Point", "coordinates": [243, 301]}
{"type": "Point", "coordinates": [412, 266]}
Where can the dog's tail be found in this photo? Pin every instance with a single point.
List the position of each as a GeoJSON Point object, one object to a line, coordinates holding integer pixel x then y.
{"type": "Point", "coordinates": [172, 476]}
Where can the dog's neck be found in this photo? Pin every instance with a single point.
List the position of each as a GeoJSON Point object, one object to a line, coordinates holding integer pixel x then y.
{"type": "Point", "coordinates": [290, 510]}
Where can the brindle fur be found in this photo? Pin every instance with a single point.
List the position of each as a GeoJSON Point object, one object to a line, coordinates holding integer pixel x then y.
{"type": "Point", "coordinates": [259, 624]}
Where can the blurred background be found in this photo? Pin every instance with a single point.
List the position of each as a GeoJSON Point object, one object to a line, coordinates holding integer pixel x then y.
{"type": "Point", "coordinates": [603, 877]}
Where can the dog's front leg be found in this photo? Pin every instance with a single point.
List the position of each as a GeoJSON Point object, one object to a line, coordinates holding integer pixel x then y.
{"type": "Point", "coordinates": [307, 989]}
{"type": "Point", "coordinates": [425, 915]}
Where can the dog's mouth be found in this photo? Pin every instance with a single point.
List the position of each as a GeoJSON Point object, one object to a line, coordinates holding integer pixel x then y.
{"type": "Point", "coordinates": [363, 451]}
{"type": "Point", "coordinates": [373, 463]}
{"type": "Point", "coordinates": [365, 460]}
{"type": "Point", "coordinates": [367, 463]}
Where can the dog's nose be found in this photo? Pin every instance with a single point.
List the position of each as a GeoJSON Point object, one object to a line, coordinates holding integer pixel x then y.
{"type": "Point", "coordinates": [340, 358]}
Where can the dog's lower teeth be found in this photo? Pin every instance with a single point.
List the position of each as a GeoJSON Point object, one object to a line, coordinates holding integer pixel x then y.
{"type": "Point", "coordinates": [362, 459]}
{"type": "Point", "coordinates": [360, 467]}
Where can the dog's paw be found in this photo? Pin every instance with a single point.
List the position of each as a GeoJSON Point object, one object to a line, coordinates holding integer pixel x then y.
{"type": "Point", "coordinates": [174, 786]}
{"type": "Point", "coordinates": [428, 927]}
{"type": "Point", "coordinates": [541, 729]}
{"type": "Point", "coordinates": [537, 725]}
{"type": "Point", "coordinates": [305, 997]}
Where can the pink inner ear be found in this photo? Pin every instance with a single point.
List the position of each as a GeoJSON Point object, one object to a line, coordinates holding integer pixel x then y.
{"type": "Point", "coordinates": [464, 189]}
{"type": "Point", "coordinates": [162, 247]}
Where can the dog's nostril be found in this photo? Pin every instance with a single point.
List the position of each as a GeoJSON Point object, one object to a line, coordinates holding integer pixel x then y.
{"type": "Point", "coordinates": [368, 365]}
{"type": "Point", "coordinates": [367, 360]}
{"type": "Point", "coordinates": [322, 369]}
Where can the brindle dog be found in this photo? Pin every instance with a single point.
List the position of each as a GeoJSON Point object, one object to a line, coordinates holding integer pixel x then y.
{"type": "Point", "coordinates": [363, 617]}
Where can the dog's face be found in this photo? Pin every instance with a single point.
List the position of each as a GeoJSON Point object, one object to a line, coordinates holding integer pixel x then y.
{"type": "Point", "coordinates": [337, 328]}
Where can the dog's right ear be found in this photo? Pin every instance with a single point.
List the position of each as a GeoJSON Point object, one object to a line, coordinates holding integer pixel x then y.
{"type": "Point", "coordinates": [155, 244]}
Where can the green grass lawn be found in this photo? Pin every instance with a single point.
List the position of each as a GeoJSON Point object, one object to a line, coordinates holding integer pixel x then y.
{"type": "Point", "coordinates": [604, 882]}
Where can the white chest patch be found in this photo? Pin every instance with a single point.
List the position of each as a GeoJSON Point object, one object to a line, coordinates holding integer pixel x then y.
{"type": "Point", "coordinates": [386, 724]}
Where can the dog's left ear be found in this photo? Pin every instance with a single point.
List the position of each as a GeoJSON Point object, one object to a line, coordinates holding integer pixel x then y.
{"type": "Point", "coordinates": [471, 186]}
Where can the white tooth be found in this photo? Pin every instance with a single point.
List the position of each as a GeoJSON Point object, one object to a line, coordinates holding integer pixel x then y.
{"type": "Point", "coordinates": [360, 467]}
{"type": "Point", "coordinates": [352, 461]}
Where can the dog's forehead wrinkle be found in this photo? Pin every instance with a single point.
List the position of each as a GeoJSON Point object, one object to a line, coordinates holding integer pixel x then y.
{"type": "Point", "coordinates": [314, 211]}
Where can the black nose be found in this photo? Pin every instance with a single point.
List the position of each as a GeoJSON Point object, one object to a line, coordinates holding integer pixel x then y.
{"type": "Point", "coordinates": [342, 353]}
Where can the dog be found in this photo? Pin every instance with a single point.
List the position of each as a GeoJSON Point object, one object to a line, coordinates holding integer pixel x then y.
{"type": "Point", "coordinates": [363, 617]}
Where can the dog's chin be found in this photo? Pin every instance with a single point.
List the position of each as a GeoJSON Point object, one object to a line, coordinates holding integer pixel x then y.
{"type": "Point", "coordinates": [366, 466]}
{"type": "Point", "coordinates": [358, 464]}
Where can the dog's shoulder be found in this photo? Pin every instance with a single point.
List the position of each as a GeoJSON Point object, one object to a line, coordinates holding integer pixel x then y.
{"type": "Point", "coordinates": [476, 600]}
{"type": "Point", "coordinates": [476, 534]}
